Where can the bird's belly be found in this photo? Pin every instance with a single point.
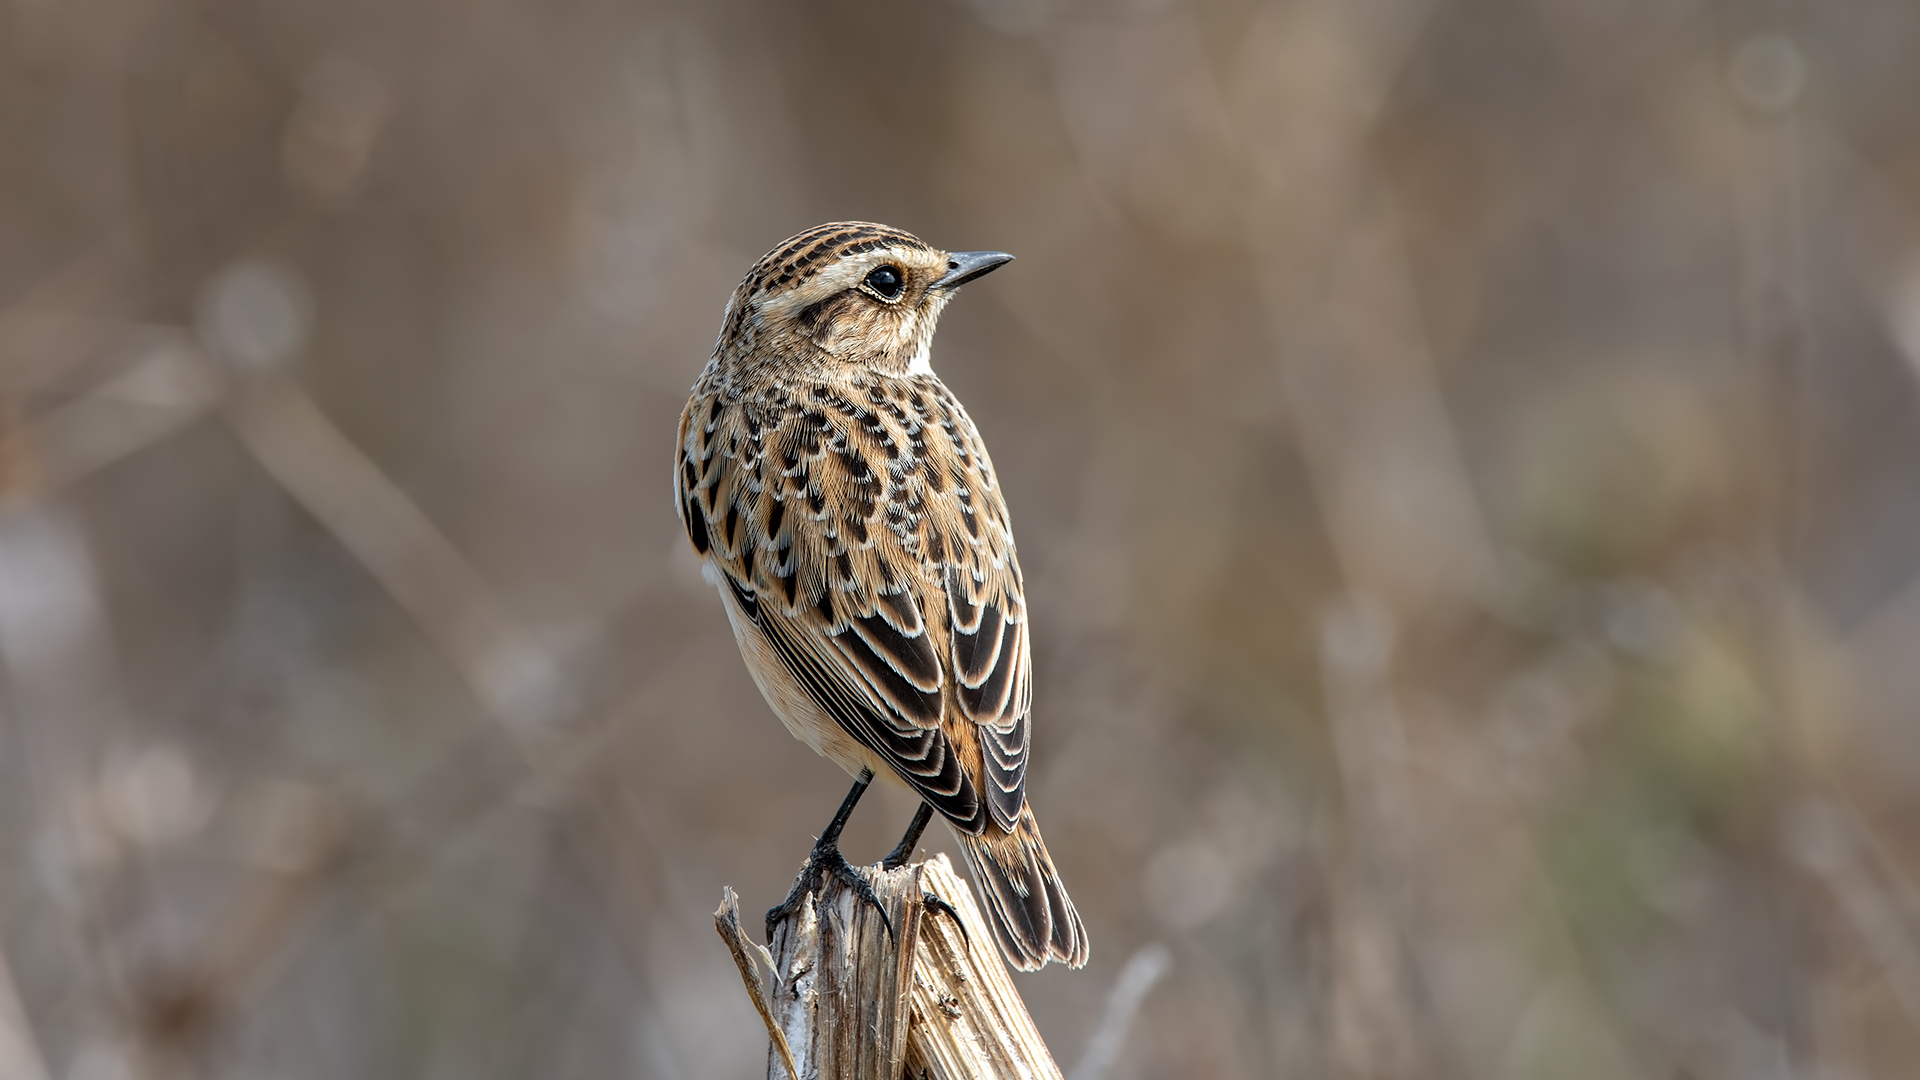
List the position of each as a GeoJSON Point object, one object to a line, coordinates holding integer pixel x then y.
{"type": "Point", "coordinates": [794, 706]}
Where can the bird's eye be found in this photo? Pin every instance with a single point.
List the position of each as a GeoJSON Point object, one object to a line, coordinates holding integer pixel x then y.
{"type": "Point", "coordinates": [886, 281]}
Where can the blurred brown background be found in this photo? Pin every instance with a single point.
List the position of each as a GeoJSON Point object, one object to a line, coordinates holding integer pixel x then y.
{"type": "Point", "coordinates": [1463, 454]}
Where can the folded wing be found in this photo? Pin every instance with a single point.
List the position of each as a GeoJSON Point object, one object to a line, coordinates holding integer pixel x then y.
{"type": "Point", "coordinates": [790, 502]}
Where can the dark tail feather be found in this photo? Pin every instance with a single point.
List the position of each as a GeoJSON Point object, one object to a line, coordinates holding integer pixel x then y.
{"type": "Point", "coordinates": [1026, 904]}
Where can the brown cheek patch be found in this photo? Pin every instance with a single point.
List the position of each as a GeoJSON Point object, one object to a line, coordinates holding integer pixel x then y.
{"type": "Point", "coordinates": [810, 318]}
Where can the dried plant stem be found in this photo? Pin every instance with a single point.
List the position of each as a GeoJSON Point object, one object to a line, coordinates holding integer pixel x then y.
{"type": "Point", "coordinates": [756, 971]}
{"type": "Point", "coordinates": [842, 1000]}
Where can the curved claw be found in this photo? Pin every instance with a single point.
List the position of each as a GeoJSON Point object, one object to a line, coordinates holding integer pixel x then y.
{"type": "Point", "coordinates": [838, 866]}
{"type": "Point", "coordinates": [826, 859]}
{"type": "Point", "coordinates": [941, 907]}
{"type": "Point", "coordinates": [807, 884]}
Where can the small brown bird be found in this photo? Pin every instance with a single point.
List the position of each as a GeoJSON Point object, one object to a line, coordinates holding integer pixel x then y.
{"type": "Point", "coordinates": [845, 507]}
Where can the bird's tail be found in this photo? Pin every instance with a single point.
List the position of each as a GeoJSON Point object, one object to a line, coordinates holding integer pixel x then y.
{"type": "Point", "coordinates": [1028, 907]}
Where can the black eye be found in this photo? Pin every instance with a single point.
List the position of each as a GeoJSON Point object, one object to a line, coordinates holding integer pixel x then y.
{"type": "Point", "coordinates": [886, 281]}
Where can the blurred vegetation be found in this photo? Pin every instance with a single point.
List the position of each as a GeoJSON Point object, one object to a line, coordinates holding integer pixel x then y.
{"type": "Point", "coordinates": [1462, 453]}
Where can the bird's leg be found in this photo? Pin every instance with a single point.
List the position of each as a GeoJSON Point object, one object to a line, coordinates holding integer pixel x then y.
{"type": "Point", "coordinates": [826, 859]}
{"type": "Point", "coordinates": [902, 852]}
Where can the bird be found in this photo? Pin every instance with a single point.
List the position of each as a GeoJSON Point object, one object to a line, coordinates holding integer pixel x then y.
{"type": "Point", "coordinates": [844, 506]}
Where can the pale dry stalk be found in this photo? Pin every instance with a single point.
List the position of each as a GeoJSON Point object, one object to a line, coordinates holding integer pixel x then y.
{"type": "Point", "coordinates": [843, 1000]}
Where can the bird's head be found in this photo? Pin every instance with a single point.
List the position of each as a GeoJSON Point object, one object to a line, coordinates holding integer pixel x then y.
{"type": "Point", "coordinates": [846, 293]}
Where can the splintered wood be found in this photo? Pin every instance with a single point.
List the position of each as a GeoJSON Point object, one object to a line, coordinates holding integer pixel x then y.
{"type": "Point", "coordinates": [843, 1001]}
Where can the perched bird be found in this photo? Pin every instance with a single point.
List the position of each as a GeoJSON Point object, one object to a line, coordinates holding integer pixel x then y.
{"type": "Point", "coordinates": [845, 508]}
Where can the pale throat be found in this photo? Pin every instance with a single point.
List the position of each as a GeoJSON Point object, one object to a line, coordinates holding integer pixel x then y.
{"type": "Point", "coordinates": [922, 362]}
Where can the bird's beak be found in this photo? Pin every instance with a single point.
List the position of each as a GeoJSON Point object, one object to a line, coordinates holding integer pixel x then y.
{"type": "Point", "coordinates": [964, 266]}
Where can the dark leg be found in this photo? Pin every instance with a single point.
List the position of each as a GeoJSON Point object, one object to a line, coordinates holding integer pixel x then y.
{"type": "Point", "coordinates": [902, 852]}
{"type": "Point", "coordinates": [830, 836]}
{"type": "Point", "coordinates": [826, 859]}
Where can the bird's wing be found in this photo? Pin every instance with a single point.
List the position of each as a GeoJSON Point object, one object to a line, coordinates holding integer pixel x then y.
{"type": "Point", "coordinates": [966, 537]}
{"type": "Point", "coordinates": [800, 502]}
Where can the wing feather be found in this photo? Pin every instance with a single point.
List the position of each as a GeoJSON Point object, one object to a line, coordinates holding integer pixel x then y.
{"type": "Point", "coordinates": [922, 756]}
{"type": "Point", "coordinates": [971, 543]}
{"type": "Point", "coordinates": [860, 528]}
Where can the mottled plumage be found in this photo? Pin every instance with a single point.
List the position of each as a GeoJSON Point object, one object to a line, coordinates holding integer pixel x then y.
{"type": "Point", "coordinates": [846, 508]}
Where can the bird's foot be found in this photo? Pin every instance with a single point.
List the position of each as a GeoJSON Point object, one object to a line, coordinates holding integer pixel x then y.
{"type": "Point", "coordinates": [826, 859]}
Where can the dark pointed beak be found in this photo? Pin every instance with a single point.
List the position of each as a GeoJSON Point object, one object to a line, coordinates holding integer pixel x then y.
{"type": "Point", "coordinates": [964, 266]}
